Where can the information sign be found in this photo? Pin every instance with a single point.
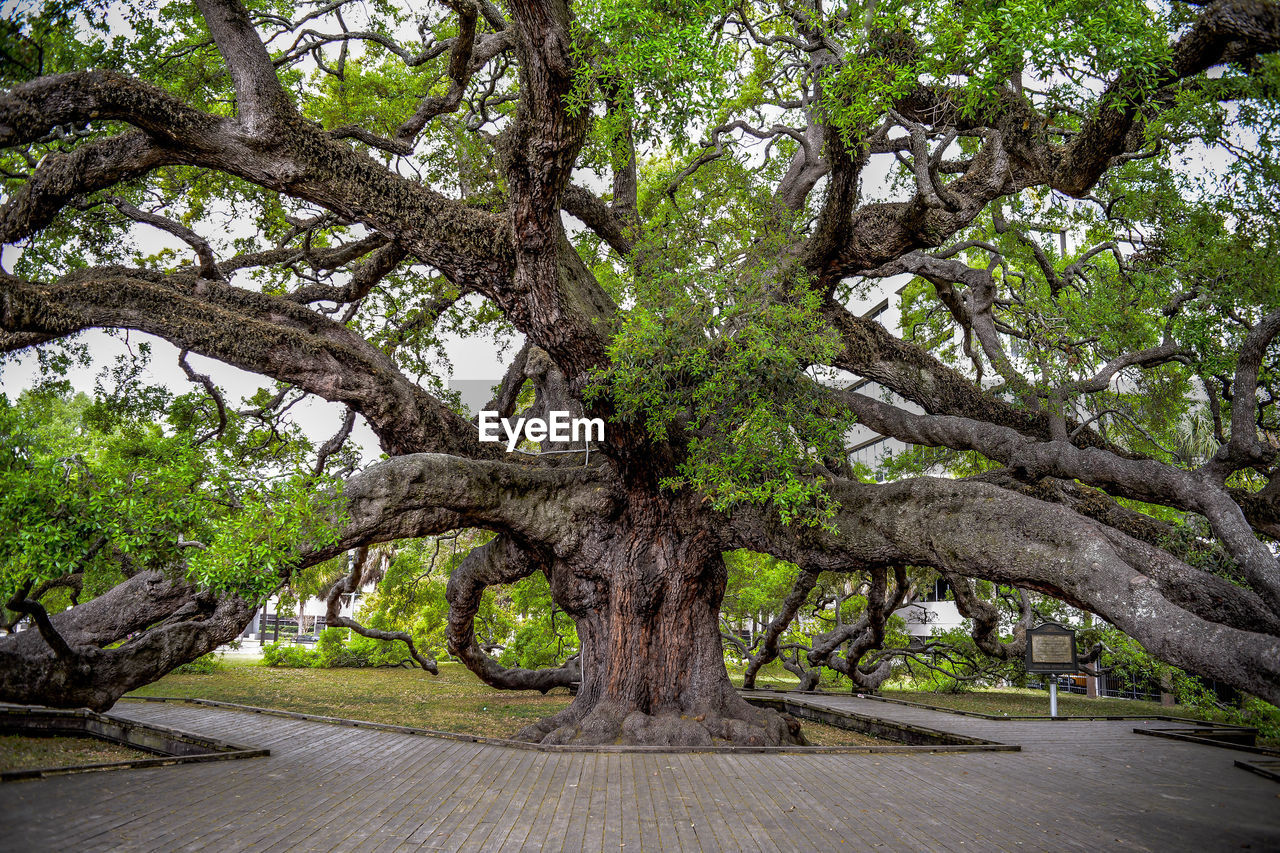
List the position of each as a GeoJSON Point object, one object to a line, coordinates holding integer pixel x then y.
{"type": "Point", "coordinates": [1051, 648]}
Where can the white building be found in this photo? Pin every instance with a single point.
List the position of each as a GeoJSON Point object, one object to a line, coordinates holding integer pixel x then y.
{"type": "Point", "coordinates": [271, 624]}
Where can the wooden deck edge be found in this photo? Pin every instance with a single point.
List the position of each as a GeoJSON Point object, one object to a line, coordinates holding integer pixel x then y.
{"type": "Point", "coordinates": [1262, 770]}
{"type": "Point", "coordinates": [140, 763]}
{"type": "Point", "coordinates": [1204, 741]}
{"type": "Point", "coordinates": [171, 746]}
{"type": "Point", "coordinates": [881, 727]}
{"type": "Point", "coordinates": [1016, 717]}
{"type": "Point", "coordinates": [988, 746]}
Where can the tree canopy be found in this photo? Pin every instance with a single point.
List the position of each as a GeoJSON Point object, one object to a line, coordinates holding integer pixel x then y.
{"type": "Point", "coordinates": [669, 210]}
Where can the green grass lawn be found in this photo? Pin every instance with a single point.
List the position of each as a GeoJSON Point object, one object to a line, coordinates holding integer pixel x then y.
{"type": "Point", "coordinates": [453, 701]}
{"type": "Point", "coordinates": [18, 752]}
{"type": "Point", "coordinates": [456, 701]}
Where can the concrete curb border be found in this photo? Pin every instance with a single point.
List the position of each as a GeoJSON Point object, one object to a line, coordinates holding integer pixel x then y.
{"type": "Point", "coordinates": [1197, 735]}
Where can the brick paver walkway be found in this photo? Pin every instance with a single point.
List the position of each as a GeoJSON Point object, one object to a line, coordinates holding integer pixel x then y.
{"type": "Point", "coordinates": [1075, 786]}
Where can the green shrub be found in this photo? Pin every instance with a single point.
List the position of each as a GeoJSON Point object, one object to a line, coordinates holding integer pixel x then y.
{"type": "Point", "coordinates": [1263, 716]}
{"type": "Point", "coordinates": [295, 657]}
{"type": "Point", "coordinates": [539, 642]}
{"type": "Point", "coordinates": [202, 665]}
{"type": "Point", "coordinates": [332, 653]}
{"type": "Point", "coordinates": [380, 652]}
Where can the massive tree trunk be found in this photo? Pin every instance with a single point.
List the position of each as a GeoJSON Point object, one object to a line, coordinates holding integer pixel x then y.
{"type": "Point", "coordinates": [646, 595]}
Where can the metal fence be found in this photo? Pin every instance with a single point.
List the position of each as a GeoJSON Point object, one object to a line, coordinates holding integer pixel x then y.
{"type": "Point", "coordinates": [1109, 688]}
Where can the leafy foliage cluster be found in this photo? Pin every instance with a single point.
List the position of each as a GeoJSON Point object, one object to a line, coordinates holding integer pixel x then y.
{"type": "Point", "coordinates": [517, 623]}
{"type": "Point", "coordinates": [334, 651]}
{"type": "Point", "coordinates": [718, 361]}
{"type": "Point", "coordinates": [97, 487]}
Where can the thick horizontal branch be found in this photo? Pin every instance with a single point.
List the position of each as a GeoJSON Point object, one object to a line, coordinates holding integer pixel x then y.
{"type": "Point", "coordinates": [268, 335]}
{"type": "Point", "coordinates": [1141, 479]}
{"type": "Point", "coordinates": [29, 111]}
{"type": "Point", "coordinates": [60, 177]}
{"type": "Point", "coordinates": [423, 494]}
{"type": "Point", "coordinates": [164, 622]}
{"type": "Point", "coordinates": [1190, 618]}
{"type": "Point", "coordinates": [295, 158]}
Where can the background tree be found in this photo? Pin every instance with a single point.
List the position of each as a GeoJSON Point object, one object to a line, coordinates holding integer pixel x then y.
{"type": "Point", "coordinates": [392, 172]}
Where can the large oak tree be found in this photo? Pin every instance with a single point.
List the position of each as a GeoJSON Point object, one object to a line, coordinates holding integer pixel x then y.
{"type": "Point", "coordinates": [734, 175]}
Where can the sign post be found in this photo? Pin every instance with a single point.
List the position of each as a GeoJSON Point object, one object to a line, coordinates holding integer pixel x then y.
{"type": "Point", "coordinates": [1051, 649]}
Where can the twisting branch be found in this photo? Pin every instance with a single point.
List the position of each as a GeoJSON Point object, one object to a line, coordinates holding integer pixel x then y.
{"type": "Point", "coordinates": [986, 619]}
{"type": "Point", "coordinates": [972, 308]}
{"type": "Point", "coordinates": [1243, 448]}
{"type": "Point", "coordinates": [364, 276]}
{"type": "Point", "coordinates": [1055, 281]}
{"type": "Point", "coordinates": [805, 581]}
{"type": "Point", "coordinates": [597, 216]}
{"type": "Point", "coordinates": [19, 603]}
{"type": "Point", "coordinates": [866, 634]}
{"type": "Point", "coordinates": [912, 373]}
{"type": "Point", "coordinates": [362, 565]}
{"type": "Point", "coordinates": [1152, 356]}
{"type": "Point", "coordinates": [468, 54]}
{"type": "Point", "coordinates": [924, 165]}
{"type": "Point", "coordinates": [1019, 541]}
{"type": "Point", "coordinates": [61, 177]}
{"type": "Point", "coordinates": [100, 669]}
{"type": "Point", "coordinates": [335, 442]}
{"type": "Point", "coordinates": [414, 495]}
{"type": "Point", "coordinates": [499, 561]}
{"type": "Point", "coordinates": [74, 582]}
{"type": "Point", "coordinates": [208, 266]}
{"type": "Point", "coordinates": [212, 390]}
{"type": "Point", "coordinates": [504, 402]}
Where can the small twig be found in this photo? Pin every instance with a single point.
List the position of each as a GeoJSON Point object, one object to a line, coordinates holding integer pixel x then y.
{"type": "Point", "coordinates": [213, 392]}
